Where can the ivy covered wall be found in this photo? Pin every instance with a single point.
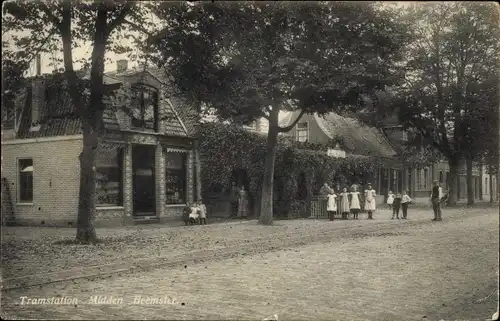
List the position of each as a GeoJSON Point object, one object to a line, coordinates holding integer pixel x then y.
{"type": "Point", "coordinates": [300, 169]}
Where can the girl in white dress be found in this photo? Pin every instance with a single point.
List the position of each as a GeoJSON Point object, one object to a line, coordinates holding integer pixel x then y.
{"type": "Point", "coordinates": [203, 212]}
{"type": "Point", "coordinates": [331, 205]}
{"type": "Point", "coordinates": [355, 204]}
{"type": "Point", "coordinates": [344, 203]}
{"type": "Point", "coordinates": [390, 199]}
{"type": "Point", "coordinates": [370, 202]}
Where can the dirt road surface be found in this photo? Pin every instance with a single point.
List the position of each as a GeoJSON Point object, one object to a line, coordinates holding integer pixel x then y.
{"type": "Point", "coordinates": [302, 269]}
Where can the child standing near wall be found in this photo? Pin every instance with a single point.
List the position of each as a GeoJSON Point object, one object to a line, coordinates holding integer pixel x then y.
{"type": "Point", "coordinates": [194, 215]}
{"type": "Point", "coordinates": [405, 201]}
{"type": "Point", "coordinates": [331, 205]}
{"type": "Point", "coordinates": [396, 206]}
{"type": "Point", "coordinates": [344, 203]}
{"type": "Point", "coordinates": [203, 212]}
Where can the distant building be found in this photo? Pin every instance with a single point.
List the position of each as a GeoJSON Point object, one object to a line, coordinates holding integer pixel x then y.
{"type": "Point", "coordinates": [386, 143]}
{"type": "Point", "coordinates": [421, 178]}
{"type": "Point", "coordinates": [358, 139]}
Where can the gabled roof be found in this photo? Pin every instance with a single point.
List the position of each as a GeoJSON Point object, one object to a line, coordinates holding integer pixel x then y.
{"type": "Point", "coordinates": [358, 138]}
{"type": "Point", "coordinates": [187, 114]}
{"type": "Point", "coordinates": [59, 116]}
{"type": "Point", "coordinates": [57, 119]}
{"type": "Point", "coordinates": [284, 119]}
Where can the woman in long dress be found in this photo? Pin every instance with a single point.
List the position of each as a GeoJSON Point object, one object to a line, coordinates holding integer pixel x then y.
{"type": "Point", "coordinates": [344, 203]}
{"type": "Point", "coordinates": [370, 202]}
{"type": "Point", "coordinates": [242, 203]}
{"type": "Point", "coordinates": [355, 204]}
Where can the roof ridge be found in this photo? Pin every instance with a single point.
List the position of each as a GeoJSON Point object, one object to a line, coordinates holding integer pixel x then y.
{"type": "Point", "coordinates": [387, 140]}
{"type": "Point", "coordinates": [356, 131]}
{"type": "Point", "coordinates": [321, 125]}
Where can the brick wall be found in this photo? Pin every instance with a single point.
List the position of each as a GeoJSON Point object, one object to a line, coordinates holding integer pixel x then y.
{"type": "Point", "coordinates": [55, 180]}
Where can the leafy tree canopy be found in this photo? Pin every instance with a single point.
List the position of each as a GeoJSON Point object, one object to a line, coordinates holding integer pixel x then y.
{"type": "Point", "coordinates": [243, 57]}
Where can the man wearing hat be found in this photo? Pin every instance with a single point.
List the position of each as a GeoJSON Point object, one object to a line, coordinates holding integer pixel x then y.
{"type": "Point", "coordinates": [436, 196]}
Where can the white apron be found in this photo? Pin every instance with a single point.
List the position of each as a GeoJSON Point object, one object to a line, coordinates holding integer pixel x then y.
{"type": "Point", "coordinates": [370, 202]}
{"type": "Point", "coordinates": [355, 201]}
{"type": "Point", "coordinates": [331, 204]}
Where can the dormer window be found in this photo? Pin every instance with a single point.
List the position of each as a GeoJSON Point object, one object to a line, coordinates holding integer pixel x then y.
{"type": "Point", "coordinates": [145, 107]}
{"type": "Point", "coordinates": [302, 132]}
{"type": "Point", "coordinates": [405, 136]}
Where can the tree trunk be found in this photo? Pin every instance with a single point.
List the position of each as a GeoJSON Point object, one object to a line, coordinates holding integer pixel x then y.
{"type": "Point", "coordinates": [491, 186]}
{"type": "Point", "coordinates": [470, 182]}
{"type": "Point", "coordinates": [197, 169]}
{"type": "Point", "coordinates": [86, 206]}
{"type": "Point", "coordinates": [453, 163]}
{"type": "Point", "coordinates": [481, 182]}
{"type": "Point", "coordinates": [92, 124]}
{"type": "Point", "coordinates": [266, 199]}
{"type": "Point", "coordinates": [410, 182]}
{"type": "Point", "coordinates": [497, 194]}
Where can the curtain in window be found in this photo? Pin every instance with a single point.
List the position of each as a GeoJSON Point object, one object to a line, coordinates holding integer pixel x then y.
{"type": "Point", "coordinates": [144, 107]}
{"type": "Point", "coordinates": [109, 177]}
{"type": "Point", "coordinates": [176, 178]}
{"type": "Point", "coordinates": [25, 180]}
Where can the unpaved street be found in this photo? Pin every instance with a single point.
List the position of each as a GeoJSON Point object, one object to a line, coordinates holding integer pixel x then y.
{"type": "Point", "coordinates": [364, 270]}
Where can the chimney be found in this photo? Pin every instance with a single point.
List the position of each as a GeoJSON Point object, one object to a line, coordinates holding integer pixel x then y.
{"type": "Point", "coordinates": [121, 65]}
{"type": "Point", "coordinates": [37, 99]}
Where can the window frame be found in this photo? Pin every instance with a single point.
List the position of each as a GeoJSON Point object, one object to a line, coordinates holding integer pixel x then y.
{"type": "Point", "coordinates": [404, 136]}
{"type": "Point", "coordinates": [426, 178]}
{"type": "Point", "coordinates": [121, 158]}
{"type": "Point", "coordinates": [297, 131]}
{"type": "Point", "coordinates": [183, 173]}
{"type": "Point", "coordinates": [140, 89]}
{"type": "Point", "coordinates": [19, 182]}
{"type": "Point", "coordinates": [418, 179]}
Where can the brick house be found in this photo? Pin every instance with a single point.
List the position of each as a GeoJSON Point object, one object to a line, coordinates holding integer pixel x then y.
{"type": "Point", "coordinates": [359, 139]}
{"type": "Point", "coordinates": [145, 156]}
{"type": "Point", "coordinates": [421, 179]}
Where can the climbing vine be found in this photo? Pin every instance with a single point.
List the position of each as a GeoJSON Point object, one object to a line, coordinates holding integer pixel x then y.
{"type": "Point", "coordinates": [226, 148]}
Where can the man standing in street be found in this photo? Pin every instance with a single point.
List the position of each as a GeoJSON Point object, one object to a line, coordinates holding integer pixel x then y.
{"type": "Point", "coordinates": [436, 196]}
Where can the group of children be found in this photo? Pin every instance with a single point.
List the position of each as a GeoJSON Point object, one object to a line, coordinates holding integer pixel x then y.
{"type": "Point", "coordinates": [194, 214]}
{"type": "Point", "coordinates": [349, 202]}
{"type": "Point", "coordinates": [398, 201]}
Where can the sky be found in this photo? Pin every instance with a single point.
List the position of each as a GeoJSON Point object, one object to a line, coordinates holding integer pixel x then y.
{"type": "Point", "coordinates": [79, 52]}
{"type": "Point", "coordinates": [111, 57]}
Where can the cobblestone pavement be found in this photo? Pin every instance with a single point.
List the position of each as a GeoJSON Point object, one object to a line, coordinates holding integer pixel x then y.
{"type": "Point", "coordinates": [364, 270]}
